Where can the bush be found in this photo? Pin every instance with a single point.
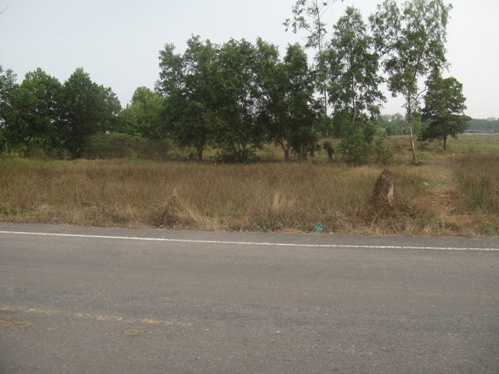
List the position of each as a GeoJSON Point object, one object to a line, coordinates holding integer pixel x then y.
{"type": "Point", "coordinates": [381, 152]}
{"type": "Point", "coordinates": [107, 146]}
{"type": "Point", "coordinates": [236, 156]}
{"type": "Point", "coordinates": [355, 145]}
{"type": "Point", "coordinates": [115, 145]}
{"type": "Point", "coordinates": [328, 147]}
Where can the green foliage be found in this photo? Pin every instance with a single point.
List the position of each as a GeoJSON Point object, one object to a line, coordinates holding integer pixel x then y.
{"type": "Point", "coordinates": [39, 99]}
{"type": "Point", "coordinates": [483, 125]}
{"type": "Point", "coordinates": [411, 40]}
{"type": "Point", "coordinates": [239, 130]}
{"type": "Point", "coordinates": [394, 124]}
{"type": "Point", "coordinates": [103, 146]}
{"type": "Point", "coordinates": [119, 145]}
{"type": "Point", "coordinates": [187, 82]}
{"type": "Point", "coordinates": [328, 147]}
{"type": "Point", "coordinates": [41, 116]}
{"type": "Point", "coordinates": [444, 109]}
{"type": "Point", "coordinates": [356, 139]}
{"type": "Point", "coordinates": [9, 91]}
{"type": "Point", "coordinates": [87, 109]}
{"type": "Point", "coordinates": [142, 117]}
{"type": "Point", "coordinates": [353, 88]}
{"type": "Point", "coordinates": [236, 155]}
{"type": "Point", "coordinates": [381, 152]}
{"type": "Point", "coordinates": [288, 109]}
{"type": "Point", "coordinates": [236, 96]}
{"type": "Point", "coordinates": [354, 147]}
{"type": "Point", "coordinates": [309, 15]}
{"type": "Point", "coordinates": [353, 68]}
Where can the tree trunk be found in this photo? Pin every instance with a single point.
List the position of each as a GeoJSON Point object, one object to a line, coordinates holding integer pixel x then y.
{"type": "Point", "coordinates": [286, 155]}
{"type": "Point", "coordinates": [286, 148]}
{"type": "Point", "coordinates": [326, 122]}
{"type": "Point", "coordinates": [200, 153]}
{"type": "Point", "coordinates": [445, 142]}
{"type": "Point", "coordinates": [409, 123]}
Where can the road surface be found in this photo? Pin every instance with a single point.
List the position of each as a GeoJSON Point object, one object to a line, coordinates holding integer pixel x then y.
{"type": "Point", "coordinates": [86, 300]}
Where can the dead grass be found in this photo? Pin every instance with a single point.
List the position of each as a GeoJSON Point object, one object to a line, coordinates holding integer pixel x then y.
{"type": "Point", "coordinates": [272, 196]}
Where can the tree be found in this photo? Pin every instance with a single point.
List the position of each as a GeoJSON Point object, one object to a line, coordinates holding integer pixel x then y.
{"type": "Point", "coordinates": [142, 117]}
{"type": "Point", "coordinates": [309, 15]}
{"type": "Point", "coordinates": [411, 41]}
{"type": "Point", "coordinates": [39, 103]}
{"type": "Point", "coordinates": [238, 130]}
{"type": "Point", "coordinates": [354, 85]}
{"type": "Point", "coordinates": [356, 139]}
{"type": "Point", "coordinates": [353, 68]}
{"type": "Point", "coordinates": [444, 109]}
{"type": "Point", "coordinates": [289, 110]}
{"type": "Point", "coordinates": [86, 109]}
{"type": "Point", "coordinates": [394, 124]}
{"type": "Point", "coordinates": [9, 91]}
{"type": "Point", "coordinates": [187, 83]}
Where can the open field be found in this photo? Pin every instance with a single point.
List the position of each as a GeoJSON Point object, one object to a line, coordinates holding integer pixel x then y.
{"type": "Point", "coordinates": [453, 192]}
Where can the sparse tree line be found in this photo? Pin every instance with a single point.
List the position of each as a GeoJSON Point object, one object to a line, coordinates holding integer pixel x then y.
{"type": "Point", "coordinates": [490, 125]}
{"type": "Point", "coordinates": [238, 96]}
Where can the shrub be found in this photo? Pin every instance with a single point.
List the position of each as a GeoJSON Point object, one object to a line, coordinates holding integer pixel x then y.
{"type": "Point", "coordinates": [105, 146]}
{"type": "Point", "coordinates": [328, 147]}
{"type": "Point", "coordinates": [355, 146]}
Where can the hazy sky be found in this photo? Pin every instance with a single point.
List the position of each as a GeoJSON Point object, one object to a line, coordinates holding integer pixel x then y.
{"type": "Point", "coordinates": [118, 42]}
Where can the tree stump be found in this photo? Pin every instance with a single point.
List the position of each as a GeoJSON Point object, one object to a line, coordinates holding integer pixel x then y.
{"type": "Point", "coordinates": [382, 197]}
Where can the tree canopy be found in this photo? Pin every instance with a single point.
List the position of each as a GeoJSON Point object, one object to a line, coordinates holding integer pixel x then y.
{"type": "Point", "coordinates": [42, 112]}
{"type": "Point", "coordinates": [237, 96]}
{"type": "Point", "coordinates": [411, 40]}
{"type": "Point", "coordinates": [444, 109]}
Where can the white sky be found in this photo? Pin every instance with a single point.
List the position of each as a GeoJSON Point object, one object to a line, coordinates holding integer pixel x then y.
{"type": "Point", "coordinates": [118, 42]}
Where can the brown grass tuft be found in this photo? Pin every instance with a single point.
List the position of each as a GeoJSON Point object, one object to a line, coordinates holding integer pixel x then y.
{"type": "Point", "coordinates": [176, 213]}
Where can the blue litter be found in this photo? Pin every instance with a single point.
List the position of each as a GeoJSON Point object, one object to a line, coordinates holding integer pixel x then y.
{"type": "Point", "coordinates": [319, 227]}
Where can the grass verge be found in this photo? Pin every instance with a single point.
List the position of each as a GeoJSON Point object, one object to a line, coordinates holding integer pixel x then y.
{"type": "Point", "coordinates": [448, 195]}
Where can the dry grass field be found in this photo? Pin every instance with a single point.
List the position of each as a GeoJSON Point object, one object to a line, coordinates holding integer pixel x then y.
{"type": "Point", "coordinates": [453, 192]}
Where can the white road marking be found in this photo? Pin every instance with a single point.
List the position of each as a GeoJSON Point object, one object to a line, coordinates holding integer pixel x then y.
{"type": "Point", "coordinates": [262, 244]}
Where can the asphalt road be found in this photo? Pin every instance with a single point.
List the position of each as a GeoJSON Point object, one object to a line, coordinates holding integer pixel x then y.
{"type": "Point", "coordinates": [82, 300]}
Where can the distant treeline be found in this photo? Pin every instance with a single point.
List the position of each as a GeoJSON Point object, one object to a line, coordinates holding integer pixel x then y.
{"type": "Point", "coordinates": [396, 124]}
{"type": "Point", "coordinates": [483, 125]}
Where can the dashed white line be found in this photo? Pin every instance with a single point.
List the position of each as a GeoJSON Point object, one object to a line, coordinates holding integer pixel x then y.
{"type": "Point", "coordinates": [262, 244]}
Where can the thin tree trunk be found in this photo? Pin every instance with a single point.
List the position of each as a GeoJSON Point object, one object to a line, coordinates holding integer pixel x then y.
{"type": "Point", "coordinates": [409, 123]}
{"type": "Point", "coordinates": [325, 114]}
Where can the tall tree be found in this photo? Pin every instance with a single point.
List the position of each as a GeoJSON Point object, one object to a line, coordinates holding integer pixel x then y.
{"type": "Point", "coordinates": [289, 110]}
{"type": "Point", "coordinates": [411, 40]}
{"type": "Point", "coordinates": [39, 103]}
{"type": "Point", "coordinates": [309, 15]}
{"type": "Point", "coordinates": [86, 109]}
{"type": "Point", "coordinates": [444, 109]}
{"type": "Point", "coordinates": [239, 130]}
{"type": "Point", "coordinates": [354, 85]}
{"type": "Point", "coordinates": [353, 68]}
{"type": "Point", "coordinates": [186, 82]}
{"type": "Point", "coordinates": [9, 91]}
